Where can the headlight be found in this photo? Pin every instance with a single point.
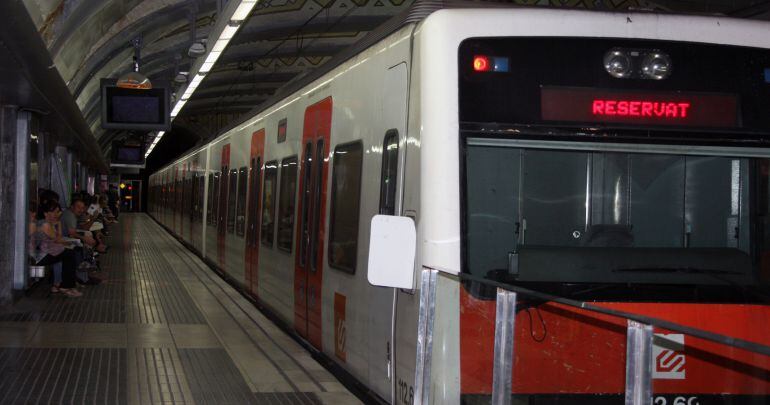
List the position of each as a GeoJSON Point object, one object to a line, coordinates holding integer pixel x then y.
{"type": "Point", "coordinates": [617, 63]}
{"type": "Point", "coordinates": [656, 65]}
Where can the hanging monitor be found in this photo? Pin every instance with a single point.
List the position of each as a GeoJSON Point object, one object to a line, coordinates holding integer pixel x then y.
{"type": "Point", "coordinates": [127, 154]}
{"type": "Point", "coordinates": [135, 108]}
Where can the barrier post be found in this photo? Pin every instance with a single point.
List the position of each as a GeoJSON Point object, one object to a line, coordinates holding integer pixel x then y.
{"type": "Point", "coordinates": [425, 336]}
{"type": "Point", "coordinates": [505, 320]}
{"type": "Point", "coordinates": [638, 364]}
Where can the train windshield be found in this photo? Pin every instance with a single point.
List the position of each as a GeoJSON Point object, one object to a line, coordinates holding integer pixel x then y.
{"type": "Point", "coordinates": [602, 224]}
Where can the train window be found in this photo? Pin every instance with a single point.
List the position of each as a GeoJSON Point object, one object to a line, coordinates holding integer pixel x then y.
{"type": "Point", "coordinates": [232, 200]}
{"type": "Point", "coordinates": [389, 173]}
{"type": "Point", "coordinates": [189, 201]}
{"type": "Point", "coordinates": [286, 203]}
{"type": "Point", "coordinates": [210, 202]}
{"type": "Point", "coordinates": [186, 198]}
{"type": "Point", "coordinates": [319, 158]}
{"type": "Point", "coordinates": [345, 200]}
{"type": "Point", "coordinates": [600, 217]}
{"type": "Point", "coordinates": [194, 198]}
{"type": "Point", "coordinates": [268, 203]}
{"type": "Point", "coordinates": [307, 165]}
{"type": "Point", "coordinates": [171, 197]}
{"type": "Point", "coordinates": [240, 219]}
{"type": "Point", "coordinates": [215, 201]}
{"type": "Point", "coordinates": [256, 166]}
{"type": "Point", "coordinates": [171, 200]}
{"type": "Point", "coordinates": [201, 194]}
{"type": "Point", "coordinates": [181, 194]}
{"type": "Point", "coordinates": [222, 202]}
{"type": "Point", "coordinates": [178, 197]}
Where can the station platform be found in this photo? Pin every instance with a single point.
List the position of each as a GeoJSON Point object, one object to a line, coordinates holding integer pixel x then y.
{"type": "Point", "coordinates": [161, 329]}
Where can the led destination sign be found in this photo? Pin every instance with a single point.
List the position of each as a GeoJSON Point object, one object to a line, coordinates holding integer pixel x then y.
{"type": "Point", "coordinates": [637, 107]}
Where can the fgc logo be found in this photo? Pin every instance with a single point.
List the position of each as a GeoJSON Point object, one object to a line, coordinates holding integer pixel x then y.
{"type": "Point", "coordinates": [668, 355]}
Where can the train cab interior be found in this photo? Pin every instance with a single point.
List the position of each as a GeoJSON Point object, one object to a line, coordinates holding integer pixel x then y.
{"type": "Point", "coordinates": [598, 219]}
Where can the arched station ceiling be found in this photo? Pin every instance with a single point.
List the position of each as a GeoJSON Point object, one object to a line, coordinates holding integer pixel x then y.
{"type": "Point", "coordinates": [90, 39]}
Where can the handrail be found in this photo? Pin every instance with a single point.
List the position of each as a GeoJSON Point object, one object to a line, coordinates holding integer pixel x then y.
{"type": "Point", "coordinates": [657, 322]}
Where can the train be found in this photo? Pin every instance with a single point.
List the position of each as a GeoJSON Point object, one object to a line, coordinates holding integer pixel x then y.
{"type": "Point", "coordinates": [615, 158]}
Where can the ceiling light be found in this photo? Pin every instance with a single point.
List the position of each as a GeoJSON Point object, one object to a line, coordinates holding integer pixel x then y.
{"type": "Point", "coordinates": [196, 81]}
{"type": "Point", "coordinates": [220, 45]}
{"type": "Point", "coordinates": [229, 32]}
{"type": "Point", "coordinates": [244, 10]}
{"type": "Point", "coordinates": [206, 67]}
{"type": "Point", "coordinates": [188, 93]}
{"type": "Point", "coordinates": [212, 57]}
{"type": "Point", "coordinates": [178, 107]}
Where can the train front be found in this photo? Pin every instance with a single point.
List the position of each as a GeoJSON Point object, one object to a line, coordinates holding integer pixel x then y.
{"type": "Point", "coordinates": [620, 160]}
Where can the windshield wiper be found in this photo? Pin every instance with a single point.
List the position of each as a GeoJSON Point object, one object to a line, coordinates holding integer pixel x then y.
{"type": "Point", "coordinates": [688, 270]}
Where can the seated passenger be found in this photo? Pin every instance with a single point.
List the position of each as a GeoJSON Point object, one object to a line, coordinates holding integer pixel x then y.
{"type": "Point", "coordinates": [73, 229]}
{"type": "Point", "coordinates": [109, 217]}
{"type": "Point", "coordinates": [35, 255]}
{"type": "Point", "coordinates": [50, 249]}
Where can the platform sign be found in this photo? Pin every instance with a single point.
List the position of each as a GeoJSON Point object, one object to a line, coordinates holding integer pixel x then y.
{"type": "Point", "coordinates": [281, 131]}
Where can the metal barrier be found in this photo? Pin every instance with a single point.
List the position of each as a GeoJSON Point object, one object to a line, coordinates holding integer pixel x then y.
{"type": "Point", "coordinates": [639, 339]}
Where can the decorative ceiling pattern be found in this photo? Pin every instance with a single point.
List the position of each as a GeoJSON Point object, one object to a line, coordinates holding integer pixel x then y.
{"type": "Point", "coordinates": [282, 39]}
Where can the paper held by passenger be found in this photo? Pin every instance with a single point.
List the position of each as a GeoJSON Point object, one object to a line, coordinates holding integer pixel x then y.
{"type": "Point", "coordinates": [73, 241]}
{"type": "Point", "coordinates": [96, 226]}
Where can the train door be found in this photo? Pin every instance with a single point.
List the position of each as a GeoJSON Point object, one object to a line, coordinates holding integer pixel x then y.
{"type": "Point", "coordinates": [224, 181]}
{"type": "Point", "coordinates": [382, 323]}
{"type": "Point", "coordinates": [308, 271]}
{"type": "Point", "coordinates": [192, 197]}
{"type": "Point", "coordinates": [183, 199]}
{"type": "Point", "coordinates": [175, 197]}
{"type": "Point", "coordinates": [252, 228]}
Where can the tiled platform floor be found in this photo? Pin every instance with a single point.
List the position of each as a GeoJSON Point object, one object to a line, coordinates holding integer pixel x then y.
{"type": "Point", "coordinates": [161, 329]}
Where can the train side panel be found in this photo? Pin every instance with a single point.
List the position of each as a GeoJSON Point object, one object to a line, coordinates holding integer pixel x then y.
{"type": "Point", "coordinates": [275, 273]}
{"type": "Point", "coordinates": [369, 97]}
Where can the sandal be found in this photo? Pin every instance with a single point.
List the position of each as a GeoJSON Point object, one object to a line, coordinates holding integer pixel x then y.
{"type": "Point", "coordinates": [71, 292]}
{"type": "Point", "coordinates": [55, 290]}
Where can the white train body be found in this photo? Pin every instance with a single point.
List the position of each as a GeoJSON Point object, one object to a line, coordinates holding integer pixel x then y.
{"type": "Point", "coordinates": [407, 83]}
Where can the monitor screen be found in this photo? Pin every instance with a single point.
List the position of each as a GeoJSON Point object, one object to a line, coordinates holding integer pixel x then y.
{"type": "Point", "coordinates": [130, 109]}
{"type": "Point", "coordinates": [129, 154]}
{"type": "Point", "coordinates": [135, 109]}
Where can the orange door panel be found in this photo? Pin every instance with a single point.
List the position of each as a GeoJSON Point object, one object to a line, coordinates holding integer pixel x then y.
{"type": "Point", "coordinates": [182, 201]}
{"type": "Point", "coordinates": [308, 272]}
{"type": "Point", "coordinates": [224, 181]}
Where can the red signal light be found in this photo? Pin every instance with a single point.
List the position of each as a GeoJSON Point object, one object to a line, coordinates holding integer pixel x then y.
{"type": "Point", "coordinates": [481, 63]}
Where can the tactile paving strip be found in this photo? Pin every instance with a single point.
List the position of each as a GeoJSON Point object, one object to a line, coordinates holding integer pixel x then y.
{"type": "Point", "coordinates": [281, 398]}
{"type": "Point", "coordinates": [213, 377]}
{"type": "Point", "coordinates": [55, 376]}
{"type": "Point", "coordinates": [159, 377]}
{"type": "Point", "coordinates": [155, 294]}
